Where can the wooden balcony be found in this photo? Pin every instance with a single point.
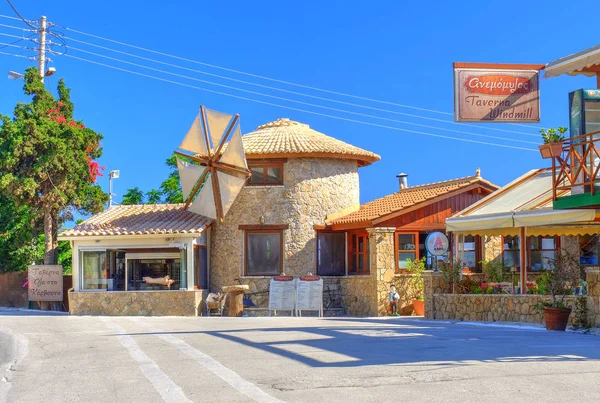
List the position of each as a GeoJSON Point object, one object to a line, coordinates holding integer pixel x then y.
{"type": "Point", "coordinates": [576, 173]}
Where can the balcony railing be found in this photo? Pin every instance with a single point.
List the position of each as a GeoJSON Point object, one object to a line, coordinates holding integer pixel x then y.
{"type": "Point", "coordinates": [577, 169]}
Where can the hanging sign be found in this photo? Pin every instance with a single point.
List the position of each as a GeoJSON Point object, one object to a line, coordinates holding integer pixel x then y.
{"type": "Point", "coordinates": [282, 293]}
{"type": "Point", "coordinates": [45, 282]}
{"type": "Point", "coordinates": [437, 243]}
{"type": "Point", "coordinates": [496, 93]}
{"type": "Point", "coordinates": [309, 294]}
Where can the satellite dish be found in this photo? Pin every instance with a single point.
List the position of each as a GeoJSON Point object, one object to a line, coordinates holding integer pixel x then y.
{"type": "Point", "coordinates": [212, 173]}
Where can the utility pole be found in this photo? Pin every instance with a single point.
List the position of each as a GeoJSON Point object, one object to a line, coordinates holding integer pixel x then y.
{"type": "Point", "coordinates": [42, 48]}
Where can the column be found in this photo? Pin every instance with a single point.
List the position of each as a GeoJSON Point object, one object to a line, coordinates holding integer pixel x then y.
{"type": "Point", "coordinates": [433, 283]}
{"type": "Point", "coordinates": [523, 256]}
{"type": "Point", "coordinates": [382, 266]}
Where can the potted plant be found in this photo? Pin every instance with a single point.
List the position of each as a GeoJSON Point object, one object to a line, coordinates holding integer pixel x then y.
{"type": "Point", "coordinates": [558, 283]}
{"type": "Point", "coordinates": [416, 268]}
{"type": "Point", "coordinates": [553, 142]}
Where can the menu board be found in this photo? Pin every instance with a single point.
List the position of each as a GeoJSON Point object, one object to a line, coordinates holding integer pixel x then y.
{"type": "Point", "coordinates": [282, 295]}
{"type": "Point", "coordinates": [309, 295]}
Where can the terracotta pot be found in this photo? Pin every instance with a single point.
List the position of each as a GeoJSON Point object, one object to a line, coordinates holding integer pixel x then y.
{"type": "Point", "coordinates": [551, 150]}
{"type": "Point", "coordinates": [419, 307]}
{"type": "Point", "coordinates": [556, 318]}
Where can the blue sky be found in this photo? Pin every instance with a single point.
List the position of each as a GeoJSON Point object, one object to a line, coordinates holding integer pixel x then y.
{"type": "Point", "coordinates": [396, 51]}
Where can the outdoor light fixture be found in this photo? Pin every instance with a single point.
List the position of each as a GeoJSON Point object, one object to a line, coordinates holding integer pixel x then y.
{"type": "Point", "coordinates": [50, 71]}
{"type": "Point", "coordinates": [114, 174]}
{"type": "Point", "coordinates": [13, 75]}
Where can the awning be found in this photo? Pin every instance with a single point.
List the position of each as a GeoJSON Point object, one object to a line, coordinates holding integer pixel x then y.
{"type": "Point", "coordinates": [537, 222]}
{"type": "Point", "coordinates": [551, 217]}
{"type": "Point", "coordinates": [480, 222]}
{"type": "Point", "coordinates": [578, 63]}
{"type": "Point", "coordinates": [568, 230]}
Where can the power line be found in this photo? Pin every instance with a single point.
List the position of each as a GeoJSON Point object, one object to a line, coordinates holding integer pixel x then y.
{"type": "Point", "coordinates": [17, 41]}
{"type": "Point", "coordinates": [297, 109]}
{"type": "Point", "coordinates": [267, 78]}
{"type": "Point", "coordinates": [16, 12]}
{"type": "Point", "coordinates": [15, 55]}
{"type": "Point", "coordinates": [296, 101]}
{"type": "Point", "coordinates": [284, 90]}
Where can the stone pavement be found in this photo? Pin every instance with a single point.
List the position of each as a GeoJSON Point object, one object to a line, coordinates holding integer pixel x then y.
{"type": "Point", "coordinates": [60, 358]}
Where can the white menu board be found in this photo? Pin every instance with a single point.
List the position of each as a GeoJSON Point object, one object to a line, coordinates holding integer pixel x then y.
{"type": "Point", "coordinates": [282, 295]}
{"type": "Point", "coordinates": [309, 295]}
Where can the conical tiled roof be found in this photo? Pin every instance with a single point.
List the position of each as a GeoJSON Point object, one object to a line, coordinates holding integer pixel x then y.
{"type": "Point", "coordinates": [287, 138]}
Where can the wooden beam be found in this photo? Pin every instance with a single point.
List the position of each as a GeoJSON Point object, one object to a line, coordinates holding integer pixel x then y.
{"type": "Point", "coordinates": [255, 227]}
{"type": "Point", "coordinates": [196, 187]}
{"type": "Point", "coordinates": [523, 253]}
{"type": "Point", "coordinates": [200, 160]}
{"type": "Point", "coordinates": [217, 193]}
{"type": "Point", "coordinates": [498, 66]}
{"type": "Point", "coordinates": [232, 169]}
{"type": "Point", "coordinates": [205, 130]}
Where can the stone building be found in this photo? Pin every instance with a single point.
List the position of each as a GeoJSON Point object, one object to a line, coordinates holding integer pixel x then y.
{"type": "Point", "coordinates": [299, 213]}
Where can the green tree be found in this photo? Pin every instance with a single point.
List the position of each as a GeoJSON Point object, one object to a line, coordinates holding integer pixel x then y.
{"type": "Point", "coordinates": [154, 196]}
{"type": "Point", "coordinates": [19, 244]}
{"type": "Point", "coordinates": [47, 160]}
{"type": "Point", "coordinates": [133, 196]}
{"type": "Point", "coordinates": [171, 187]}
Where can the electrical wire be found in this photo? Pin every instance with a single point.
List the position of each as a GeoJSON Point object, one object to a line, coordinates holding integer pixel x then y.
{"type": "Point", "coordinates": [296, 101]}
{"type": "Point", "coordinates": [267, 78]}
{"type": "Point", "coordinates": [16, 12]}
{"type": "Point", "coordinates": [297, 109]}
{"type": "Point", "coordinates": [15, 42]}
{"type": "Point", "coordinates": [287, 91]}
{"type": "Point", "coordinates": [15, 55]}
{"type": "Point", "coordinates": [276, 80]}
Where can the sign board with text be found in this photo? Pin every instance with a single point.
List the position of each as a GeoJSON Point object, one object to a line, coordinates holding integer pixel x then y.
{"type": "Point", "coordinates": [503, 95]}
{"type": "Point", "coordinates": [309, 295]}
{"type": "Point", "coordinates": [282, 294]}
{"type": "Point", "coordinates": [45, 282]}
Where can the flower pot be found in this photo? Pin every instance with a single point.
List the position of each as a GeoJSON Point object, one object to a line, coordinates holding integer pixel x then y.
{"type": "Point", "coordinates": [419, 307]}
{"type": "Point", "coordinates": [551, 150]}
{"type": "Point", "coordinates": [556, 318]}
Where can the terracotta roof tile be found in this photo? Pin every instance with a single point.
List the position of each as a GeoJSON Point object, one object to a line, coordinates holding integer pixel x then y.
{"type": "Point", "coordinates": [407, 198]}
{"type": "Point", "coordinates": [146, 219]}
{"type": "Point", "coordinates": [287, 138]}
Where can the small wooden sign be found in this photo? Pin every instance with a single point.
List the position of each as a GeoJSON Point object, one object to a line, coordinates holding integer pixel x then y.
{"type": "Point", "coordinates": [496, 93]}
{"type": "Point", "coordinates": [45, 282]}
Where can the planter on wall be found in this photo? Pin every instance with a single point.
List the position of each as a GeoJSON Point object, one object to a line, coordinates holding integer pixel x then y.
{"type": "Point", "coordinates": [551, 150]}
{"type": "Point", "coordinates": [556, 318]}
{"type": "Point", "coordinates": [419, 307]}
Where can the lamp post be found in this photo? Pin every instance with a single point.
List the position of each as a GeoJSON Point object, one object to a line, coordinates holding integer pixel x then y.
{"type": "Point", "coordinates": [112, 175]}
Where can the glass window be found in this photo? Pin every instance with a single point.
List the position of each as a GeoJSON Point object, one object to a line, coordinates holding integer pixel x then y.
{"type": "Point", "coordinates": [93, 271]}
{"type": "Point", "coordinates": [510, 251]}
{"type": "Point", "coordinates": [151, 274]}
{"type": "Point", "coordinates": [331, 250]}
{"type": "Point", "coordinates": [588, 245]}
{"type": "Point", "coordinates": [406, 248]}
{"type": "Point", "coordinates": [467, 250]}
{"type": "Point", "coordinates": [263, 253]}
{"type": "Point", "coordinates": [542, 251]}
{"type": "Point", "coordinates": [268, 172]}
{"type": "Point", "coordinates": [358, 253]}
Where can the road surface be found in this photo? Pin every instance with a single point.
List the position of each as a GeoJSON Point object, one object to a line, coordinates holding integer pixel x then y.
{"type": "Point", "coordinates": [60, 358]}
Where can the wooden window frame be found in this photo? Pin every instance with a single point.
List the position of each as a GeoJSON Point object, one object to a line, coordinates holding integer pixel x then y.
{"type": "Point", "coordinates": [325, 231]}
{"type": "Point", "coordinates": [397, 251]}
{"type": "Point", "coordinates": [265, 165]}
{"type": "Point", "coordinates": [478, 252]}
{"type": "Point", "coordinates": [354, 257]}
{"type": "Point", "coordinates": [529, 250]}
{"type": "Point", "coordinates": [263, 231]}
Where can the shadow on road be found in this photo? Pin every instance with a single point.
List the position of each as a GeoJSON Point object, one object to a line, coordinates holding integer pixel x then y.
{"type": "Point", "coordinates": [353, 342]}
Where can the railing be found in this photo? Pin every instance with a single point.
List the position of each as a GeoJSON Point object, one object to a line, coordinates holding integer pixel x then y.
{"type": "Point", "coordinates": [577, 168]}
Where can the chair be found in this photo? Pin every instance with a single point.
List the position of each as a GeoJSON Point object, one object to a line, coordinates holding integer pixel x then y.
{"type": "Point", "coordinates": [215, 304]}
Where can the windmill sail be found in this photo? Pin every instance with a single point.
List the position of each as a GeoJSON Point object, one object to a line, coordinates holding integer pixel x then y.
{"type": "Point", "coordinates": [211, 188]}
{"type": "Point", "coordinates": [194, 139]}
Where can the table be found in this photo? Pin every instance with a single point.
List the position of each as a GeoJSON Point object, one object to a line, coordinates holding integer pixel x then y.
{"type": "Point", "coordinates": [236, 298]}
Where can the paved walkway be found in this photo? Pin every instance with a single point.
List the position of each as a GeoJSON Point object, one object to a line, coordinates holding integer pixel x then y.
{"type": "Point", "coordinates": [58, 358]}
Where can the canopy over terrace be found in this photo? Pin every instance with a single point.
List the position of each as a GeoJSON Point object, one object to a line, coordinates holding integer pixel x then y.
{"type": "Point", "coordinates": [523, 208]}
{"type": "Point", "coordinates": [586, 62]}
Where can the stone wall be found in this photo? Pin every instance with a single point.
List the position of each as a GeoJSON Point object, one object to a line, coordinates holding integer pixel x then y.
{"type": "Point", "coordinates": [358, 295]}
{"type": "Point", "coordinates": [312, 189]}
{"type": "Point", "coordinates": [504, 308]}
{"type": "Point", "coordinates": [137, 303]}
{"type": "Point", "coordinates": [492, 247]}
{"type": "Point", "coordinates": [407, 292]}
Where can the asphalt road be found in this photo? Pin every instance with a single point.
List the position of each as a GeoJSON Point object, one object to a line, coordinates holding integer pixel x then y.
{"type": "Point", "coordinates": [124, 359]}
